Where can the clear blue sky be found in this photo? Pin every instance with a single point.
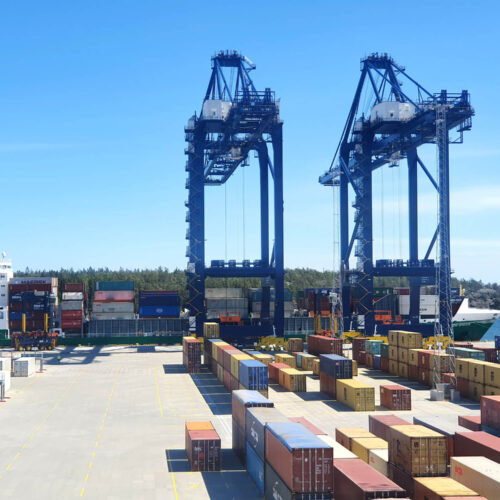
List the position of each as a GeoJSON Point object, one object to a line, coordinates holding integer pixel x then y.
{"type": "Point", "coordinates": [94, 96]}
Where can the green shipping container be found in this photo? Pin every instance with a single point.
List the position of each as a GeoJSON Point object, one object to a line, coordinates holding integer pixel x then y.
{"type": "Point", "coordinates": [114, 285]}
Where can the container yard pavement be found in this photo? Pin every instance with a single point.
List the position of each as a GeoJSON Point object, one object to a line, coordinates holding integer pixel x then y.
{"type": "Point", "coordinates": [108, 423]}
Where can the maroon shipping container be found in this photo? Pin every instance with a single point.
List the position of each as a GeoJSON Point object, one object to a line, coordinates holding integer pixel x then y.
{"type": "Point", "coordinates": [358, 344]}
{"type": "Point", "coordinates": [424, 360]}
{"type": "Point", "coordinates": [308, 425]}
{"type": "Point", "coordinates": [226, 357]}
{"type": "Point", "coordinates": [463, 386]}
{"type": "Point", "coordinates": [234, 384]}
{"type": "Point", "coordinates": [71, 323]}
{"type": "Point", "coordinates": [273, 370]}
{"type": "Point", "coordinates": [413, 372]}
{"type": "Point", "coordinates": [471, 422]}
{"type": "Point", "coordinates": [449, 378]}
{"type": "Point", "coordinates": [220, 353]}
{"type": "Point", "coordinates": [380, 424]}
{"type": "Point", "coordinates": [317, 344]}
{"type": "Point", "coordinates": [39, 287]}
{"type": "Point", "coordinates": [384, 364]}
{"type": "Point", "coordinates": [328, 385]}
{"type": "Point", "coordinates": [356, 480]}
{"type": "Point", "coordinates": [31, 325]}
{"type": "Point", "coordinates": [477, 444]}
{"type": "Point", "coordinates": [490, 411]}
{"type": "Point", "coordinates": [71, 315]}
{"type": "Point", "coordinates": [369, 360]}
{"type": "Point", "coordinates": [401, 478]}
{"type": "Point", "coordinates": [304, 469]}
{"type": "Point", "coordinates": [239, 441]}
{"type": "Point", "coordinates": [239, 408]}
{"type": "Point", "coordinates": [490, 353]}
{"type": "Point", "coordinates": [73, 287]}
{"type": "Point", "coordinates": [467, 345]}
{"type": "Point", "coordinates": [204, 450]}
{"type": "Point", "coordinates": [362, 357]}
{"type": "Point", "coordinates": [191, 356]}
{"type": "Point", "coordinates": [424, 377]}
{"type": "Point", "coordinates": [395, 397]}
{"type": "Point", "coordinates": [227, 380]}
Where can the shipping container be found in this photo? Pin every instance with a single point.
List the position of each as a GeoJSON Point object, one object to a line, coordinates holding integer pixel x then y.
{"type": "Point", "coordinates": [339, 451]}
{"type": "Point", "coordinates": [490, 411]}
{"type": "Point", "coordinates": [23, 367]}
{"type": "Point", "coordinates": [378, 459]}
{"type": "Point", "coordinates": [211, 330]}
{"type": "Point", "coordinates": [73, 296]}
{"type": "Point", "coordinates": [204, 450]}
{"type": "Point", "coordinates": [345, 435]}
{"type": "Point", "coordinates": [305, 361]}
{"type": "Point", "coordinates": [243, 399]}
{"type": "Point", "coordinates": [417, 450]}
{"type": "Point", "coordinates": [287, 359]}
{"type": "Point", "coordinates": [265, 359]}
{"type": "Point", "coordinates": [256, 420]}
{"type": "Point", "coordinates": [292, 380]}
{"type": "Point", "coordinates": [171, 299]}
{"type": "Point", "coordinates": [413, 356]}
{"type": "Point", "coordinates": [73, 287]}
{"type": "Point", "coordinates": [358, 344]}
{"type": "Point", "coordinates": [436, 488]}
{"type": "Point", "coordinates": [114, 285]}
{"type": "Point", "coordinates": [273, 371]}
{"type": "Point", "coordinates": [308, 425]}
{"type": "Point", "coordinates": [113, 307]}
{"type": "Point", "coordinates": [401, 478]}
{"type": "Point", "coordinates": [302, 460]}
{"type": "Point", "coordinates": [196, 426]}
{"type": "Point", "coordinates": [71, 315]}
{"type": "Point", "coordinates": [328, 385]}
{"type": "Point", "coordinates": [379, 425]}
{"type": "Point", "coordinates": [315, 366]}
{"type": "Point", "coordinates": [395, 397]}
{"type": "Point", "coordinates": [361, 446]}
{"type": "Point", "coordinates": [471, 422]}
{"type": "Point", "coordinates": [393, 337]}
{"type": "Point", "coordinates": [472, 444]}
{"type": "Point", "coordinates": [191, 357]}
{"type": "Point", "coordinates": [476, 391]}
{"type": "Point", "coordinates": [235, 363]}
{"type": "Point", "coordinates": [253, 374]}
{"type": "Point", "coordinates": [226, 357]}
{"type": "Point", "coordinates": [239, 443]}
{"type": "Point", "coordinates": [355, 394]}
{"type": "Point", "coordinates": [356, 480]}
{"type": "Point", "coordinates": [114, 296]}
{"type": "Point", "coordinates": [295, 344]}
{"type": "Point", "coordinates": [159, 311]}
{"type": "Point", "coordinates": [409, 340]}
{"type": "Point", "coordinates": [480, 474]}
{"type": "Point", "coordinates": [67, 324]}
{"type": "Point", "coordinates": [335, 366]}
{"type": "Point", "coordinates": [317, 344]}
{"type": "Point", "coordinates": [255, 468]}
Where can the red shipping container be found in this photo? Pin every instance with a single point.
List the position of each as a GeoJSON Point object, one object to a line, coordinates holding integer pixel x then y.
{"type": "Point", "coordinates": [463, 387]}
{"type": "Point", "coordinates": [71, 323]}
{"type": "Point", "coordinates": [467, 345]}
{"type": "Point", "coordinates": [473, 423]}
{"type": "Point", "coordinates": [114, 296]}
{"type": "Point", "coordinates": [362, 357]}
{"type": "Point", "coordinates": [380, 424]}
{"type": "Point", "coordinates": [239, 407]}
{"type": "Point", "coordinates": [239, 441]}
{"type": "Point", "coordinates": [384, 364]}
{"type": "Point", "coordinates": [71, 315]}
{"type": "Point", "coordinates": [395, 397]}
{"type": "Point", "coordinates": [39, 287]}
{"type": "Point", "coordinates": [358, 344]}
{"type": "Point", "coordinates": [204, 450]}
{"type": "Point", "coordinates": [226, 357]}
{"type": "Point", "coordinates": [413, 373]}
{"type": "Point", "coordinates": [317, 344]}
{"type": "Point", "coordinates": [191, 355]}
{"type": "Point", "coordinates": [302, 469]}
{"type": "Point", "coordinates": [477, 444]}
{"type": "Point", "coordinates": [220, 353]}
{"type": "Point", "coordinates": [490, 353]}
{"type": "Point", "coordinates": [73, 287]}
{"type": "Point", "coordinates": [356, 480]}
{"type": "Point", "coordinates": [490, 411]}
{"type": "Point", "coordinates": [273, 370]}
{"type": "Point", "coordinates": [328, 385]}
{"type": "Point", "coordinates": [308, 425]}
{"type": "Point", "coordinates": [424, 360]}
{"type": "Point", "coordinates": [227, 380]}
{"type": "Point", "coordinates": [234, 384]}
{"type": "Point", "coordinates": [449, 378]}
{"type": "Point", "coordinates": [401, 478]}
{"type": "Point", "coordinates": [369, 360]}
{"type": "Point", "coordinates": [424, 377]}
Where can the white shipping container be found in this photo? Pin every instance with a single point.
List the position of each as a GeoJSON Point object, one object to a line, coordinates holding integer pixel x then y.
{"type": "Point", "coordinates": [113, 315]}
{"type": "Point", "coordinates": [427, 304]}
{"type": "Point", "coordinates": [4, 318]}
{"type": "Point", "coordinates": [72, 305]}
{"type": "Point", "coordinates": [378, 460]}
{"type": "Point", "coordinates": [24, 367]}
{"type": "Point", "coordinates": [392, 111]}
{"type": "Point", "coordinates": [480, 474]}
{"type": "Point", "coordinates": [5, 376]}
{"type": "Point", "coordinates": [5, 364]}
{"type": "Point", "coordinates": [34, 281]}
{"type": "Point", "coordinates": [72, 296]}
{"type": "Point", "coordinates": [339, 451]}
{"type": "Point", "coordinates": [223, 293]}
{"type": "Point", "coordinates": [257, 306]}
{"type": "Point", "coordinates": [113, 307]}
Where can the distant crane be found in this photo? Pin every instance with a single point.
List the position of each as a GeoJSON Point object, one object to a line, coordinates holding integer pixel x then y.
{"type": "Point", "coordinates": [400, 121]}
{"type": "Point", "coordinates": [235, 120]}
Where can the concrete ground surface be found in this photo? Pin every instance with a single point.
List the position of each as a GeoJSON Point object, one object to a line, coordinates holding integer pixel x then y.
{"type": "Point", "coordinates": [108, 423]}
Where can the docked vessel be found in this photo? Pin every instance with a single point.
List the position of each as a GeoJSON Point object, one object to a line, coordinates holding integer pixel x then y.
{"type": "Point", "coordinates": [6, 273]}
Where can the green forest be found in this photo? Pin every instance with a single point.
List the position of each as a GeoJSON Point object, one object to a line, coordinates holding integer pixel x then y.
{"type": "Point", "coordinates": [298, 279]}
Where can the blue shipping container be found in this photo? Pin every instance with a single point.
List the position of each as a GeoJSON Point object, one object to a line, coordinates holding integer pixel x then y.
{"type": "Point", "coordinates": [497, 342]}
{"type": "Point", "coordinates": [335, 366]}
{"type": "Point", "coordinates": [373, 346]}
{"type": "Point", "coordinates": [159, 311]}
{"type": "Point", "coordinates": [255, 468]}
{"type": "Point", "coordinates": [295, 436]}
{"type": "Point", "coordinates": [253, 374]}
{"type": "Point", "coordinates": [376, 361]}
{"type": "Point", "coordinates": [256, 420]}
{"type": "Point", "coordinates": [114, 285]}
{"type": "Point", "coordinates": [384, 350]}
{"type": "Point", "coordinates": [159, 300]}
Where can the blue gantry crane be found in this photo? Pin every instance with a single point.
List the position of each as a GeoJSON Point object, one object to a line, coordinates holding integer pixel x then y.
{"type": "Point", "coordinates": [235, 119]}
{"type": "Point", "coordinates": [402, 118]}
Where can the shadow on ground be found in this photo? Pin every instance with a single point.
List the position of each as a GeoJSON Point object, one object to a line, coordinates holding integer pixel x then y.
{"type": "Point", "coordinates": [173, 369]}
{"type": "Point", "coordinates": [217, 397]}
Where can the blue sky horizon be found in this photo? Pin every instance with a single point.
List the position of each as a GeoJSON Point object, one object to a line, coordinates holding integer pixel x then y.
{"type": "Point", "coordinates": [95, 96]}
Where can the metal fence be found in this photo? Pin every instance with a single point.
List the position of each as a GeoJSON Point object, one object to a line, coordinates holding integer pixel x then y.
{"type": "Point", "coordinates": [304, 325]}
{"type": "Point", "coordinates": [137, 327]}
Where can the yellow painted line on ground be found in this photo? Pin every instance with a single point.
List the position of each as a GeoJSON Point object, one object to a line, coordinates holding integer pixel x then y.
{"type": "Point", "coordinates": [82, 492]}
{"type": "Point", "coordinates": [20, 391]}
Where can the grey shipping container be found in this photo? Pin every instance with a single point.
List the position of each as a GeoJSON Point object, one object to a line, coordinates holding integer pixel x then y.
{"type": "Point", "coordinates": [72, 305]}
{"type": "Point", "coordinates": [113, 307]}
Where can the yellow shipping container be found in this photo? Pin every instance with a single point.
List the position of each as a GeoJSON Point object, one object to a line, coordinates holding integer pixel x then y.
{"type": "Point", "coordinates": [307, 362]}
{"type": "Point", "coordinates": [393, 367]}
{"type": "Point", "coordinates": [362, 446]}
{"type": "Point", "coordinates": [263, 358]}
{"type": "Point", "coordinates": [393, 337]}
{"type": "Point", "coordinates": [211, 330]}
{"type": "Point", "coordinates": [235, 364]}
{"type": "Point", "coordinates": [345, 435]}
{"type": "Point", "coordinates": [216, 348]}
{"type": "Point", "coordinates": [413, 356]}
{"type": "Point", "coordinates": [444, 362]}
{"type": "Point", "coordinates": [489, 390]}
{"type": "Point", "coordinates": [410, 340]}
{"type": "Point", "coordinates": [315, 366]}
{"type": "Point", "coordinates": [288, 359]}
{"type": "Point", "coordinates": [475, 391]}
{"type": "Point", "coordinates": [476, 371]}
{"type": "Point", "coordinates": [403, 355]}
{"type": "Point", "coordinates": [433, 487]}
{"type": "Point", "coordinates": [492, 374]}
{"type": "Point", "coordinates": [403, 370]}
{"type": "Point", "coordinates": [292, 380]}
{"type": "Point", "coordinates": [462, 365]}
{"type": "Point", "coordinates": [393, 353]}
{"type": "Point", "coordinates": [354, 368]}
{"type": "Point", "coordinates": [355, 394]}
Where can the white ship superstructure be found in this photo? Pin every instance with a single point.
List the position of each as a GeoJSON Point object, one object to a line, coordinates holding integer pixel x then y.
{"type": "Point", "coordinates": [6, 273]}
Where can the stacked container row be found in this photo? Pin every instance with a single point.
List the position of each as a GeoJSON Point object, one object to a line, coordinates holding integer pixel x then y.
{"type": "Point", "coordinates": [73, 308]}
{"type": "Point", "coordinates": [159, 304]}
{"type": "Point", "coordinates": [114, 300]}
